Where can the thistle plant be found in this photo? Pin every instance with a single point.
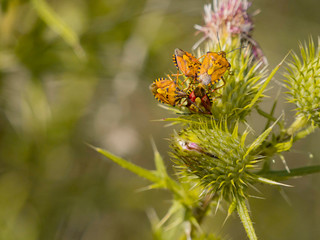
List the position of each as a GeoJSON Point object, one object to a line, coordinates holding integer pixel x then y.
{"type": "Point", "coordinates": [303, 83]}
{"type": "Point", "coordinates": [214, 161]}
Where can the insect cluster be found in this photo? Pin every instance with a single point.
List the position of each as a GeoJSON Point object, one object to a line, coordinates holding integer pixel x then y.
{"type": "Point", "coordinates": [197, 89]}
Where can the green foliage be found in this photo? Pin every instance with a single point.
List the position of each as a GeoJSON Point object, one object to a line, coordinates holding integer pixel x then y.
{"type": "Point", "coordinates": [54, 21]}
{"type": "Point", "coordinates": [134, 168]}
{"type": "Point", "coordinates": [181, 217]}
{"type": "Point", "coordinates": [50, 99]}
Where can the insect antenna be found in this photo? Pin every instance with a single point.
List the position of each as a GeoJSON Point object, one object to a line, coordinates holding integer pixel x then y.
{"type": "Point", "coordinates": [236, 49]}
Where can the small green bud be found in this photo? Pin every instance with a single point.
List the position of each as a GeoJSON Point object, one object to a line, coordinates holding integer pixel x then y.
{"type": "Point", "coordinates": [303, 82]}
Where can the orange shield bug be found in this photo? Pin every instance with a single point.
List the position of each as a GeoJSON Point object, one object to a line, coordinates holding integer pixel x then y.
{"type": "Point", "coordinates": [166, 91]}
{"type": "Point", "coordinates": [213, 67]}
{"type": "Point", "coordinates": [186, 63]}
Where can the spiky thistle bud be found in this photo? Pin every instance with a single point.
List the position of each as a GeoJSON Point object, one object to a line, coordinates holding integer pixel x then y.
{"type": "Point", "coordinates": [216, 159]}
{"type": "Point", "coordinates": [303, 82]}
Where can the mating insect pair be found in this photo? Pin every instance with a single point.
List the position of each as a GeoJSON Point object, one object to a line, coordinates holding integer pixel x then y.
{"type": "Point", "coordinates": [201, 75]}
{"type": "Point", "coordinates": [167, 91]}
{"type": "Point", "coordinates": [208, 72]}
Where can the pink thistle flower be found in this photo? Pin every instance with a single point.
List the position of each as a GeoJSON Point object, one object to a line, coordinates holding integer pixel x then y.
{"type": "Point", "coordinates": [229, 19]}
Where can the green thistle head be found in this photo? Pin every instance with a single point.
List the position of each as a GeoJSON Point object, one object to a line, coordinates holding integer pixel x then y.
{"type": "Point", "coordinates": [303, 82]}
{"type": "Point", "coordinates": [215, 158]}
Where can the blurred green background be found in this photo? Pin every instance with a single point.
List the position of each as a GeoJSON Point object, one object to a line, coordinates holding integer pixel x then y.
{"type": "Point", "coordinates": [62, 89]}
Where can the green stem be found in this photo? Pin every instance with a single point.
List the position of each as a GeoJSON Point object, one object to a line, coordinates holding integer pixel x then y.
{"type": "Point", "coordinates": [271, 114]}
{"type": "Point", "coordinates": [200, 212]}
{"type": "Point", "coordinates": [268, 116]}
{"type": "Point", "coordinates": [245, 218]}
{"type": "Point", "coordinates": [297, 172]}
